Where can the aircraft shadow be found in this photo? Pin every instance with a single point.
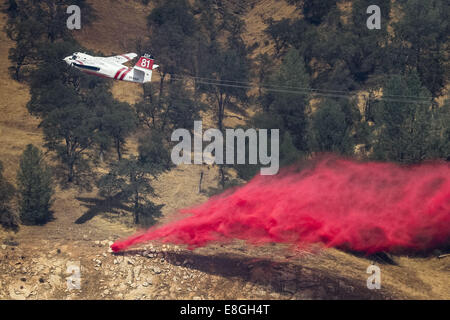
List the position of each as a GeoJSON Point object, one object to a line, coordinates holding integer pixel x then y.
{"type": "Point", "coordinates": [289, 279]}
{"type": "Point", "coordinates": [98, 206]}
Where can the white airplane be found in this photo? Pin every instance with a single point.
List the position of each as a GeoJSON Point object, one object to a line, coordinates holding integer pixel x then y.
{"type": "Point", "coordinates": [112, 67]}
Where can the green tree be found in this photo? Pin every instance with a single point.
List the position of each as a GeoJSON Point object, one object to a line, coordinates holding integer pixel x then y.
{"type": "Point", "coordinates": [316, 11]}
{"type": "Point", "coordinates": [331, 130]}
{"type": "Point", "coordinates": [7, 217]}
{"type": "Point", "coordinates": [263, 69]}
{"type": "Point", "coordinates": [224, 63]}
{"type": "Point", "coordinates": [34, 24]}
{"type": "Point", "coordinates": [441, 132]}
{"type": "Point", "coordinates": [176, 109]}
{"type": "Point", "coordinates": [403, 130]}
{"type": "Point", "coordinates": [421, 42]}
{"type": "Point", "coordinates": [24, 54]}
{"type": "Point", "coordinates": [154, 152]}
{"type": "Point", "coordinates": [69, 131]}
{"type": "Point", "coordinates": [119, 121]}
{"type": "Point", "coordinates": [281, 34]}
{"type": "Point", "coordinates": [130, 179]}
{"type": "Point", "coordinates": [284, 110]}
{"type": "Point", "coordinates": [289, 154]}
{"type": "Point", "coordinates": [173, 28]}
{"type": "Point", "coordinates": [24, 28]}
{"type": "Point", "coordinates": [338, 55]}
{"type": "Point", "coordinates": [35, 187]}
{"type": "Point", "coordinates": [180, 107]}
{"type": "Point", "coordinates": [349, 55]}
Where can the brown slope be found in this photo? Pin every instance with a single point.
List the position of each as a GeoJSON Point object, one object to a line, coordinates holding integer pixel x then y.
{"type": "Point", "coordinates": [17, 127]}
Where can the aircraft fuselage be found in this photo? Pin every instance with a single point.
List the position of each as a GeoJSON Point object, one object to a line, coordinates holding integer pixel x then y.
{"type": "Point", "coordinates": [107, 67]}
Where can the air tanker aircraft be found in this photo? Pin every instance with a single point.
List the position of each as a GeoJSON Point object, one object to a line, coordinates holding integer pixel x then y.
{"type": "Point", "coordinates": [112, 67]}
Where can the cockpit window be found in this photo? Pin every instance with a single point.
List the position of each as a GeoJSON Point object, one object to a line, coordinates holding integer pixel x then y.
{"type": "Point", "coordinates": [74, 57]}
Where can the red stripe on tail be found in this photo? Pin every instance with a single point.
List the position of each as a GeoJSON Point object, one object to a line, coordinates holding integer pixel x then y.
{"type": "Point", "coordinates": [124, 74]}
{"type": "Point", "coordinates": [118, 72]}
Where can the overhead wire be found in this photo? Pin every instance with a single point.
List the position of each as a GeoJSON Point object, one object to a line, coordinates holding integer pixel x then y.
{"type": "Point", "coordinates": [297, 90]}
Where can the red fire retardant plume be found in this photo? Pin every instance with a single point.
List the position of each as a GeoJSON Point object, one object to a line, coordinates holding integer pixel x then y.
{"type": "Point", "coordinates": [360, 206]}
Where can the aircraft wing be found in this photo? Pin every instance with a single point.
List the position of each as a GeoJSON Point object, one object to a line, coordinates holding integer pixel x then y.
{"type": "Point", "coordinates": [122, 58]}
{"type": "Point", "coordinates": [87, 67]}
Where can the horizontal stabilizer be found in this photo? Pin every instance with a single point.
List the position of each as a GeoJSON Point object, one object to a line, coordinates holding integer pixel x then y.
{"type": "Point", "coordinates": [122, 58]}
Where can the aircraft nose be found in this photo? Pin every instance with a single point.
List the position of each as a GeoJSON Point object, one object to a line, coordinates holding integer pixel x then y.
{"type": "Point", "coordinates": [67, 60]}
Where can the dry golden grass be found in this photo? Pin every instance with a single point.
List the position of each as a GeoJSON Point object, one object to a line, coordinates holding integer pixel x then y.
{"type": "Point", "coordinates": [17, 127]}
{"type": "Point", "coordinates": [117, 26]}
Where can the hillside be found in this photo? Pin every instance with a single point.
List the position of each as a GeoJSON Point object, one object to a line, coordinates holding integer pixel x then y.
{"type": "Point", "coordinates": [34, 261]}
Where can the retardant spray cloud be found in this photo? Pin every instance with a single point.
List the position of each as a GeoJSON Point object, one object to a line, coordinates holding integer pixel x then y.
{"type": "Point", "coordinates": [361, 206]}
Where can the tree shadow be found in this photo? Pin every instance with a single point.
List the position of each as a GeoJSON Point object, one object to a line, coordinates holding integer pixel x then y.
{"type": "Point", "coordinates": [97, 206]}
{"type": "Point", "coordinates": [379, 257]}
{"type": "Point", "coordinates": [390, 259]}
{"type": "Point", "coordinates": [285, 277]}
{"type": "Point", "coordinates": [9, 220]}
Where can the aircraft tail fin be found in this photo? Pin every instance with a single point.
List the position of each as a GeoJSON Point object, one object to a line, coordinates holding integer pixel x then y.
{"type": "Point", "coordinates": [146, 65]}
